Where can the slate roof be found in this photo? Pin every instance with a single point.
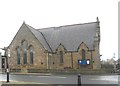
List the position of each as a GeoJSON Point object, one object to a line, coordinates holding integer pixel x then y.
{"type": "Point", "coordinates": [40, 37]}
{"type": "Point", "coordinates": [70, 36]}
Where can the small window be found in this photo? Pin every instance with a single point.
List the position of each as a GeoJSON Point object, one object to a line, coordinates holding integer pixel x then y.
{"type": "Point", "coordinates": [83, 54]}
{"type": "Point", "coordinates": [24, 57]}
{"type": "Point", "coordinates": [41, 63]}
{"type": "Point", "coordinates": [31, 55]}
{"type": "Point", "coordinates": [18, 55]}
{"type": "Point", "coordinates": [24, 47]}
{"type": "Point", "coordinates": [61, 57]}
{"type": "Point", "coordinates": [3, 62]}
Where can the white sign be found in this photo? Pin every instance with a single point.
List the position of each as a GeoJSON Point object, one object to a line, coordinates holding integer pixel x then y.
{"type": "Point", "coordinates": [7, 70]}
{"type": "Point", "coordinates": [88, 62]}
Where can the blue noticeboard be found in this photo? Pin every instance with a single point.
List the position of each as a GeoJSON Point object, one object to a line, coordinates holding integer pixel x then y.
{"type": "Point", "coordinates": [82, 62]}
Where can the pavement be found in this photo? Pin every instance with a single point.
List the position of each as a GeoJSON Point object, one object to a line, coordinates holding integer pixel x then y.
{"type": "Point", "coordinates": [40, 74]}
{"type": "Point", "coordinates": [19, 82]}
{"type": "Point", "coordinates": [22, 82]}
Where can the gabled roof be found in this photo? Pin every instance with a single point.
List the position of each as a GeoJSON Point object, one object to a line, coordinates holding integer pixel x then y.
{"type": "Point", "coordinates": [40, 38]}
{"type": "Point", "coordinates": [71, 36]}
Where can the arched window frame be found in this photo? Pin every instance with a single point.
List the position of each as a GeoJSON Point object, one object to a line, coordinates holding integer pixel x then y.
{"type": "Point", "coordinates": [31, 54]}
{"type": "Point", "coordinates": [83, 54]}
{"type": "Point", "coordinates": [61, 50]}
{"type": "Point", "coordinates": [61, 56]}
{"type": "Point", "coordinates": [24, 48]}
{"type": "Point", "coordinates": [18, 55]}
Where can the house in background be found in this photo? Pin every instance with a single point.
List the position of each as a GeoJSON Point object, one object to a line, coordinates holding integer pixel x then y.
{"type": "Point", "coordinates": [72, 46]}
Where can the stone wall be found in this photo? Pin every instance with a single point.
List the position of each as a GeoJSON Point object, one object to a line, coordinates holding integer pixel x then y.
{"type": "Point", "coordinates": [38, 51]}
{"type": "Point", "coordinates": [45, 60]}
{"type": "Point", "coordinates": [70, 58]}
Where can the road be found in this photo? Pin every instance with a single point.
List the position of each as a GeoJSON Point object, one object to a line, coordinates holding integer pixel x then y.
{"type": "Point", "coordinates": [64, 79]}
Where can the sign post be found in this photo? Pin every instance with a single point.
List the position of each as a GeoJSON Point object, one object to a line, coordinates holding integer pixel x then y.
{"type": "Point", "coordinates": [7, 75]}
{"type": "Point", "coordinates": [79, 80]}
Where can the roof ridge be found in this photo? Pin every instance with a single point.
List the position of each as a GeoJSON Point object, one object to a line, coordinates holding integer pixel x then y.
{"type": "Point", "coordinates": [30, 27]}
{"type": "Point", "coordinates": [46, 40]}
{"type": "Point", "coordinates": [45, 28]}
{"type": "Point", "coordinates": [65, 25]}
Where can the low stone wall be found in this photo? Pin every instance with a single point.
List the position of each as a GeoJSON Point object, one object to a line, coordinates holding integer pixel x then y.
{"type": "Point", "coordinates": [15, 70]}
{"type": "Point", "coordinates": [66, 71]}
{"type": "Point", "coordinates": [71, 71]}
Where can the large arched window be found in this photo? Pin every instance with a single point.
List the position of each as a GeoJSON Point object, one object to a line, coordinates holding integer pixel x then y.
{"type": "Point", "coordinates": [61, 57]}
{"type": "Point", "coordinates": [18, 55]}
{"type": "Point", "coordinates": [24, 47]}
{"type": "Point", "coordinates": [83, 54]}
{"type": "Point", "coordinates": [31, 55]}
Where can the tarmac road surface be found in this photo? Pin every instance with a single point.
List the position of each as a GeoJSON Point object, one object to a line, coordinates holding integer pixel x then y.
{"type": "Point", "coordinates": [63, 79]}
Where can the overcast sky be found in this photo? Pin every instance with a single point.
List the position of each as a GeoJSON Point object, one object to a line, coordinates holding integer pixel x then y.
{"type": "Point", "coordinates": [50, 13]}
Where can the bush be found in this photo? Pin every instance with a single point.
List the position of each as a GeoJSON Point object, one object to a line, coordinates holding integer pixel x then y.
{"type": "Point", "coordinates": [107, 66]}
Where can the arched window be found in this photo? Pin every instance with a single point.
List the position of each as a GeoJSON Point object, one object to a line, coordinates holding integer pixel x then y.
{"type": "Point", "coordinates": [24, 47]}
{"type": "Point", "coordinates": [83, 54]}
{"type": "Point", "coordinates": [18, 55]}
{"type": "Point", "coordinates": [61, 57]}
{"type": "Point", "coordinates": [31, 55]}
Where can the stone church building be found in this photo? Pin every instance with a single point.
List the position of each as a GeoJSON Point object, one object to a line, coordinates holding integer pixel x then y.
{"type": "Point", "coordinates": [71, 46]}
